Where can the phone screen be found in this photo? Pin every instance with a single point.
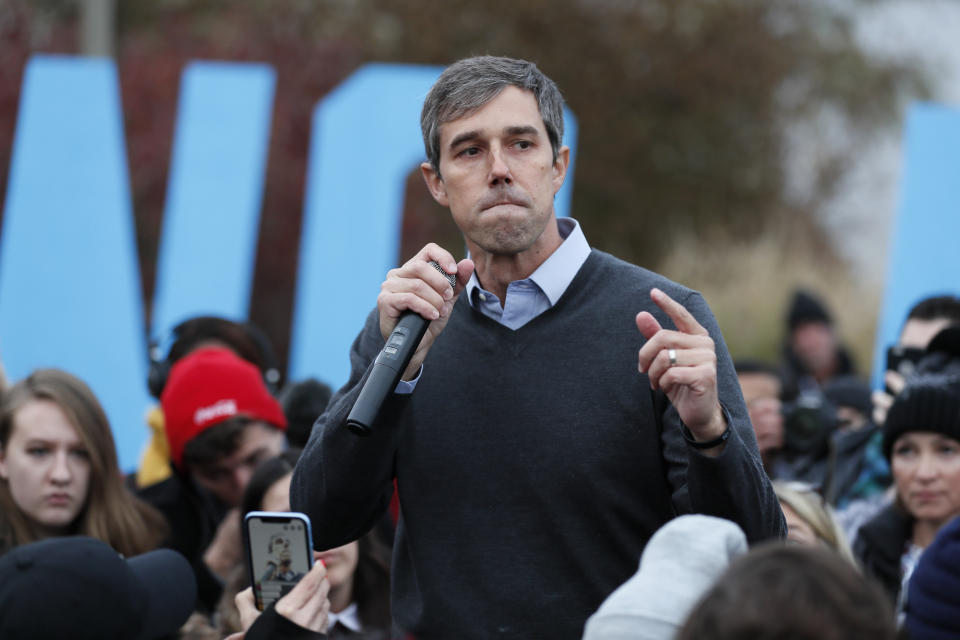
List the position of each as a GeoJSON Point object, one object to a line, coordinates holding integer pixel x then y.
{"type": "Point", "coordinates": [279, 553]}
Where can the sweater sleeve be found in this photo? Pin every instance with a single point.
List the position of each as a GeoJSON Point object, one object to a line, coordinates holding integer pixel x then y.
{"type": "Point", "coordinates": [732, 485]}
{"type": "Point", "coordinates": [270, 625]}
{"type": "Point", "coordinates": [344, 482]}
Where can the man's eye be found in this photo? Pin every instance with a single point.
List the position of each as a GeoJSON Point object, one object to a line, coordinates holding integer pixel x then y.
{"type": "Point", "coordinates": [37, 451]}
{"type": "Point", "coordinates": [470, 151]}
{"type": "Point", "coordinates": [524, 144]}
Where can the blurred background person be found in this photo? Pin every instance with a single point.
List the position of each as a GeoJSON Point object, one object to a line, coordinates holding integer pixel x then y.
{"type": "Point", "coordinates": [858, 470]}
{"type": "Point", "coordinates": [791, 591]}
{"type": "Point", "coordinates": [921, 438]}
{"type": "Point", "coordinates": [762, 389]}
{"type": "Point", "coordinates": [221, 422]}
{"type": "Point", "coordinates": [810, 520]}
{"type": "Point", "coordinates": [926, 319]}
{"type": "Point", "coordinates": [244, 339]}
{"type": "Point", "coordinates": [831, 443]}
{"type": "Point", "coordinates": [58, 469]}
{"type": "Point", "coordinates": [812, 350]}
{"type": "Point", "coordinates": [302, 403]}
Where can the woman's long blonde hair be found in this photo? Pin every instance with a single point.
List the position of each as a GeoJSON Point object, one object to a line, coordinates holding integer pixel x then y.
{"type": "Point", "coordinates": [111, 512]}
{"type": "Point", "coordinates": [808, 504]}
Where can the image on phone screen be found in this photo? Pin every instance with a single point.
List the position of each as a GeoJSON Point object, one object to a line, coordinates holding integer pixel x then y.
{"type": "Point", "coordinates": [278, 552]}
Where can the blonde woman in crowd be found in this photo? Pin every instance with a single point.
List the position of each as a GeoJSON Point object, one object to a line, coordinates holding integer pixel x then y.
{"type": "Point", "coordinates": [810, 520]}
{"type": "Point", "coordinates": [58, 469]}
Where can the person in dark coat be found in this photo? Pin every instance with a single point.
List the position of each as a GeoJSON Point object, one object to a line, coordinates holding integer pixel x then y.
{"type": "Point", "coordinates": [921, 438]}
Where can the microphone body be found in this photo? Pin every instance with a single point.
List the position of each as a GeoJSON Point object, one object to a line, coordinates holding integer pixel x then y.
{"type": "Point", "coordinates": [387, 370]}
{"type": "Point", "coordinates": [389, 366]}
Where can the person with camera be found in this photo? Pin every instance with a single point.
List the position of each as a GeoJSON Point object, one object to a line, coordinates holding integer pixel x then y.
{"type": "Point", "coordinates": [762, 389]}
{"type": "Point", "coordinates": [812, 351]}
{"type": "Point", "coordinates": [926, 319]}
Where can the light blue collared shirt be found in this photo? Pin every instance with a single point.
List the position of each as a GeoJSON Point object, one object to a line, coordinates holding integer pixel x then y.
{"type": "Point", "coordinates": [528, 298]}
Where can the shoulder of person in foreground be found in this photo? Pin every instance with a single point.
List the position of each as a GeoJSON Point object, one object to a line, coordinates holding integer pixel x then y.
{"type": "Point", "coordinates": [59, 586]}
{"type": "Point", "coordinates": [779, 591]}
{"type": "Point", "coordinates": [681, 561]}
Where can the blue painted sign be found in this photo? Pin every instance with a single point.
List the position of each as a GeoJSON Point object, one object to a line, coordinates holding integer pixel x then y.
{"type": "Point", "coordinates": [924, 259]}
{"type": "Point", "coordinates": [69, 276]}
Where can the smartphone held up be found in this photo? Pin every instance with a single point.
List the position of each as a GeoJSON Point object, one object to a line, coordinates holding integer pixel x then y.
{"type": "Point", "coordinates": [278, 552]}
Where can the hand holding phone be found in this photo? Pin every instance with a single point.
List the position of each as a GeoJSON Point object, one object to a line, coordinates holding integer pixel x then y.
{"type": "Point", "coordinates": [279, 553]}
{"type": "Point", "coordinates": [307, 605]}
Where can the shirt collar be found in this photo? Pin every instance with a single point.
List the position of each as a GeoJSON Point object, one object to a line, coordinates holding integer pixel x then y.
{"type": "Point", "coordinates": [556, 273]}
{"type": "Point", "coordinates": [348, 618]}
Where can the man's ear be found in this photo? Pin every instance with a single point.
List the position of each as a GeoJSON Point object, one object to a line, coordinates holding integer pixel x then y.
{"type": "Point", "coordinates": [560, 166]}
{"type": "Point", "coordinates": [435, 183]}
{"type": "Point", "coordinates": [3, 464]}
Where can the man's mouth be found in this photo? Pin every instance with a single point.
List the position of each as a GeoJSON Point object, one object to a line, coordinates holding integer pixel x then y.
{"type": "Point", "coordinates": [501, 203]}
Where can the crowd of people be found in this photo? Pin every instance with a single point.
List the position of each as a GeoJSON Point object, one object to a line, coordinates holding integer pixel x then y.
{"type": "Point", "coordinates": [518, 481]}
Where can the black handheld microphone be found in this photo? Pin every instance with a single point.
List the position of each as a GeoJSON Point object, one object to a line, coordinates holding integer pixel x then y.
{"type": "Point", "coordinates": [389, 366]}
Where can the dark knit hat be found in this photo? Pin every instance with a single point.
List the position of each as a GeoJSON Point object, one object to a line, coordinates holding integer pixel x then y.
{"type": "Point", "coordinates": [927, 403]}
{"type": "Point", "coordinates": [933, 595]}
{"type": "Point", "coordinates": [806, 307]}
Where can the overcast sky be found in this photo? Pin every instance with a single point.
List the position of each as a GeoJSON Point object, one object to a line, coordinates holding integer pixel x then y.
{"type": "Point", "coordinates": [928, 30]}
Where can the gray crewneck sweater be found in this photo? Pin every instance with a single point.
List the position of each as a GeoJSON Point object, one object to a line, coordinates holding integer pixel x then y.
{"type": "Point", "coordinates": [530, 465]}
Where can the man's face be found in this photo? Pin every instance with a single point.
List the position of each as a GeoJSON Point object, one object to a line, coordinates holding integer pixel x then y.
{"type": "Point", "coordinates": [761, 393]}
{"type": "Point", "coordinates": [280, 548]}
{"type": "Point", "coordinates": [919, 333]}
{"type": "Point", "coordinates": [498, 177]}
{"type": "Point", "coordinates": [816, 345]}
{"type": "Point", "coordinates": [227, 477]}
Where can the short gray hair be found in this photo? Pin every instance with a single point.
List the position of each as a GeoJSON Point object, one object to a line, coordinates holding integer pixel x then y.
{"type": "Point", "coordinates": [469, 84]}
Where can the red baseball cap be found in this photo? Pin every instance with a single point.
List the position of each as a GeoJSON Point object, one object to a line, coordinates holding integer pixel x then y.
{"type": "Point", "coordinates": [209, 386]}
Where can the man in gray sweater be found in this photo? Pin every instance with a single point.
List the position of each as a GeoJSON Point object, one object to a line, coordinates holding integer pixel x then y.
{"type": "Point", "coordinates": [533, 460]}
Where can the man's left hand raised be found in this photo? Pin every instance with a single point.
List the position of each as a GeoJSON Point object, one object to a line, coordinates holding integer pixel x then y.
{"type": "Point", "coordinates": [690, 381]}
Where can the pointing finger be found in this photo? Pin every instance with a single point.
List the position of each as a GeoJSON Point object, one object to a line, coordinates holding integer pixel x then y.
{"type": "Point", "coordinates": [683, 319]}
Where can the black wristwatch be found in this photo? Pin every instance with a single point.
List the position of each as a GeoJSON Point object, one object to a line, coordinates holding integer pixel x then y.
{"type": "Point", "coordinates": [707, 444]}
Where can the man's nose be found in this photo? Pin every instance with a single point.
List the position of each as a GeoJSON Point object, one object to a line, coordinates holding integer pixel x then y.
{"type": "Point", "coordinates": [241, 477]}
{"type": "Point", "coordinates": [499, 169]}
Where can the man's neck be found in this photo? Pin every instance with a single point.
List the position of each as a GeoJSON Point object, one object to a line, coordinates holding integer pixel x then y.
{"type": "Point", "coordinates": [495, 272]}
